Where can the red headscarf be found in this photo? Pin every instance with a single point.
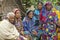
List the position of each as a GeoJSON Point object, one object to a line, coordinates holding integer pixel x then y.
{"type": "Point", "coordinates": [48, 3]}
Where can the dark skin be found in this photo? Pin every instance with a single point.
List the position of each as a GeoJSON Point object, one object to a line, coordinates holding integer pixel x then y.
{"type": "Point", "coordinates": [30, 15]}
{"type": "Point", "coordinates": [48, 7]}
{"type": "Point", "coordinates": [40, 6]}
{"type": "Point", "coordinates": [18, 15]}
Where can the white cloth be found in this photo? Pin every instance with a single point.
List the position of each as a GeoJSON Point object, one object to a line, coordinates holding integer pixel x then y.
{"type": "Point", "coordinates": [8, 30]}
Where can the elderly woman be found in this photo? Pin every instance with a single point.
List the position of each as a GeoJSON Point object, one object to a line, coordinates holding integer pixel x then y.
{"type": "Point", "coordinates": [7, 29]}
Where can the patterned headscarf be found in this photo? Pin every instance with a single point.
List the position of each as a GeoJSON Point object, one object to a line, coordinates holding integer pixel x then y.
{"type": "Point", "coordinates": [48, 3]}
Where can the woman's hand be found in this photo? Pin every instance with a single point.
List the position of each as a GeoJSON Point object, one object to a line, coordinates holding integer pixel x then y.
{"type": "Point", "coordinates": [18, 38]}
{"type": "Point", "coordinates": [34, 32]}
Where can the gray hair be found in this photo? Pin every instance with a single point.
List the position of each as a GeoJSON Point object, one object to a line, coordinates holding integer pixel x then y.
{"type": "Point", "coordinates": [10, 14]}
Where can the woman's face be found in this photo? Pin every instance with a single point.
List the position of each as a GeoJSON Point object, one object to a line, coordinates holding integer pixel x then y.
{"type": "Point", "coordinates": [30, 15]}
{"type": "Point", "coordinates": [48, 7]}
{"type": "Point", "coordinates": [39, 6]}
{"type": "Point", "coordinates": [18, 15]}
{"type": "Point", "coordinates": [11, 19]}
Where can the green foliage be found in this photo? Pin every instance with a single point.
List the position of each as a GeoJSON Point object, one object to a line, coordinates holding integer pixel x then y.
{"type": "Point", "coordinates": [28, 3]}
{"type": "Point", "coordinates": [59, 0]}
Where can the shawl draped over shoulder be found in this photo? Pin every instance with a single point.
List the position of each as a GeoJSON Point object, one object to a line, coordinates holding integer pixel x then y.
{"type": "Point", "coordinates": [8, 31]}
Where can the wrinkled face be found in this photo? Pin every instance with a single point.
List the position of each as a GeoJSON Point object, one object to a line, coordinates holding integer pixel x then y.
{"type": "Point", "coordinates": [11, 19]}
{"type": "Point", "coordinates": [39, 6]}
{"type": "Point", "coordinates": [30, 15]}
{"type": "Point", "coordinates": [18, 15]}
{"type": "Point", "coordinates": [48, 7]}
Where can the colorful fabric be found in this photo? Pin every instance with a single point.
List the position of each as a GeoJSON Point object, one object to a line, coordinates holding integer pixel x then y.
{"type": "Point", "coordinates": [48, 3]}
{"type": "Point", "coordinates": [18, 24]}
{"type": "Point", "coordinates": [57, 12]}
{"type": "Point", "coordinates": [47, 16]}
{"type": "Point", "coordinates": [36, 14]}
{"type": "Point", "coordinates": [49, 29]}
{"type": "Point", "coordinates": [28, 24]}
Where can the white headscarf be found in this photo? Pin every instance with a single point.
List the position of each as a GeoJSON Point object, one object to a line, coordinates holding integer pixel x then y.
{"type": "Point", "coordinates": [8, 30]}
{"type": "Point", "coordinates": [10, 14]}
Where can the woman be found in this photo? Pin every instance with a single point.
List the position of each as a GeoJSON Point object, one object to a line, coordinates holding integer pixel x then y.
{"type": "Point", "coordinates": [37, 12]}
{"type": "Point", "coordinates": [28, 23]}
{"type": "Point", "coordinates": [44, 16]}
{"type": "Point", "coordinates": [7, 30]}
{"type": "Point", "coordinates": [47, 18]}
{"type": "Point", "coordinates": [18, 22]}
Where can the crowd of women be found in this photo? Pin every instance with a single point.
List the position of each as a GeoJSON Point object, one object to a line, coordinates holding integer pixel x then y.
{"type": "Point", "coordinates": [39, 24]}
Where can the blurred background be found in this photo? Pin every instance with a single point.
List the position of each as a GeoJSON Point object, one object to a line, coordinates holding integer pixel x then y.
{"type": "Point", "coordinates": [7, 5]}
